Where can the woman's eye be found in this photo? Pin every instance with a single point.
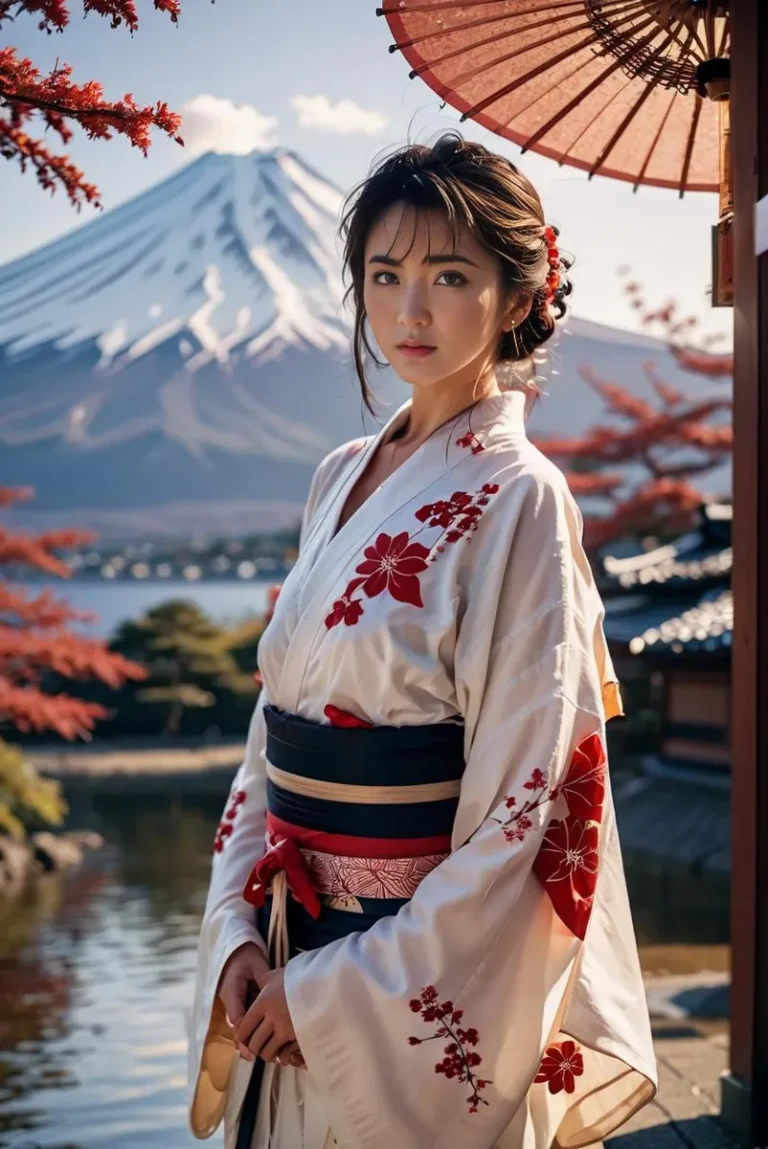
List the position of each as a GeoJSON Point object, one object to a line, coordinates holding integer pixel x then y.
{"type": "Point", "coordinates": [457, 278]}
{"type": "Point", "coordinates": [378, 274]}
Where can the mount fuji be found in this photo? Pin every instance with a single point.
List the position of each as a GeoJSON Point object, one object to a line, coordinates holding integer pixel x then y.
{"type": "Point", "coordinates": [180, 364]}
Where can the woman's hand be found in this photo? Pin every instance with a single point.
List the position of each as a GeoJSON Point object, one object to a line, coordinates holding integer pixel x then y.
{"type": "Point", "coordinates": [237, 984]}
{"type": "Point", "coordinates": [266, 1029]}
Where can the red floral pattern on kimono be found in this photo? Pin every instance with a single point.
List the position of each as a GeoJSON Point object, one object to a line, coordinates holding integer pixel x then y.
{"type": "Point", "coordinates": [460, 1061]}
{"type": "Point", "coordinates": [584, 784]}
{"type": "Point", "coordinates": [567, 867]}
{"type": "Point", "coordinates": [561, 1064]}
{"type": "Point", "coordinates": [517, 823]}
{"type": "Point", "coordinates": [567, 861]}
{"type": "Point", "coordinates": [225, 826]}
{"type": "Point", "coordinates": [471, 441]}
{"type": "Point", "coordinates": [395, 565]}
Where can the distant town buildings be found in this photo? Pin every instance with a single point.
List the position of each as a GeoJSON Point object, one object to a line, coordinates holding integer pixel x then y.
{"type": "Point", "coordinates": [669, 614]}
{"type": "Point", "coordinates": [254, 558]}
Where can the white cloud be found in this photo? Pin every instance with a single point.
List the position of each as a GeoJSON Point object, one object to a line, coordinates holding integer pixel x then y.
{"type": "Point", "coordinates": [214, 124]}
{"type": "Point", "coordinates": [344, 117]}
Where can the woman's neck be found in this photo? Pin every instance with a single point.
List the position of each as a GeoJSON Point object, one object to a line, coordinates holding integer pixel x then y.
{"type": "Point", "coordinates": [431, 408]}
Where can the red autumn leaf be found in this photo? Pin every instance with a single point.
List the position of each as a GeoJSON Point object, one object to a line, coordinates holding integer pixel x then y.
{"type": "Point", "coordinates": [35, 639]}
{"type": "Point", "coordinates": [32, 103]}
{"type": "Point", "coordinates": [644, 461]}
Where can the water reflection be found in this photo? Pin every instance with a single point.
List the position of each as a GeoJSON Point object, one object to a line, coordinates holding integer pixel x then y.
{"type": "Point", "coordinates": [95, 977]}
{"type": "Point", "coordinates": [96, 973]}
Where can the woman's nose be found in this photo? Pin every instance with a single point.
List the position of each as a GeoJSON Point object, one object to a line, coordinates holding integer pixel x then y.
{"type": "Point", "coordinates": [413, 308]}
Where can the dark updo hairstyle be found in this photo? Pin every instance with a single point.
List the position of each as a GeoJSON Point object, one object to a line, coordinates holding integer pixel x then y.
{"type": "Point", "coordinates": [481, 189]}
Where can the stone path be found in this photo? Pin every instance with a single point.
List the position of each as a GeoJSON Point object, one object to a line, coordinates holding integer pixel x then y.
{"type": "Point", "coordinates": [690, 1029]}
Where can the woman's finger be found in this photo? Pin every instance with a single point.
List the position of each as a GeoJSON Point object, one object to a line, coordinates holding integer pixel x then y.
{"type": "Point", "coordinates": [261, 1034]}
{"type": "Point", "coordinates": [274, 1046]}
{"type": "Point", "coordinates": [232, 998]}
{"type": "Point", "coordinates": [248, 1022]}
{"type": "Point", "coordinates": [290, 1054]}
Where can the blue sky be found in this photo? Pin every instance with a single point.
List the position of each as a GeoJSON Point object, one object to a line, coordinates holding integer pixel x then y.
{"type": "Point", "coordinates": [316, 76]}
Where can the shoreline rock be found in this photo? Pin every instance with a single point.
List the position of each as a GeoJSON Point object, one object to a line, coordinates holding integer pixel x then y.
{"type": "Point", "coordinates": [42, 853]}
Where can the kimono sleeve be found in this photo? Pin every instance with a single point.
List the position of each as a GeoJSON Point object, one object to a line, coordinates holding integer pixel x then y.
{"type": "Point", "coordinates": [228, 920]}
{"type": "Point", "coordinates": [227, 924]}
{"type": "Point", "coordinates": [428, 1029]}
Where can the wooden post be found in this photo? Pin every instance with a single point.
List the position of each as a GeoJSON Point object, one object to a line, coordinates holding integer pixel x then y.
{"type": "Point", "coordinates": [745, 1088]}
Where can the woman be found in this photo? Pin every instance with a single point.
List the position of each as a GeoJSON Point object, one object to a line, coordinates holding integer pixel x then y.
{"type": "Point", "coordinates": [421, 840]}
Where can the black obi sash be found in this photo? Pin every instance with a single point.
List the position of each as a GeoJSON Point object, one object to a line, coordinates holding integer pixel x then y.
{"type": "Point", "coordinates": [360, 795]}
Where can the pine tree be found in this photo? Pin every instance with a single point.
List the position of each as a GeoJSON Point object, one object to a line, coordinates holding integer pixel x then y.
{"type": "Point", "coordinates": [55, 101]}
{"type": "Point", "coordinates": [187, 657]}
{"type": "Point", "coordinates": [36, 644]}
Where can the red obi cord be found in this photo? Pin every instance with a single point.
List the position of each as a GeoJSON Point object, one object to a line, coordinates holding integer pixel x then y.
{"type": "Point", "coordinates": [282, 855]}
{"type": "Point", "coordinates": [352, 846]}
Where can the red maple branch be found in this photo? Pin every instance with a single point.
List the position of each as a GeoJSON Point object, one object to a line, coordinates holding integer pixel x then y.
{"type": "Point", "coordinates": [35, 642]}
{"type": "Point", "coordinates": [67, 654]}
{"type": "Point", "coordinates": [641, 463]}
{"type": "Point", "coordinates": [56, 99]}
{"type": "Point", "coordinates": [28, 708]}
{"type": "Point", "coordinates": [44, 612]}
{"type": "Point", "coordinates": [55, 13]}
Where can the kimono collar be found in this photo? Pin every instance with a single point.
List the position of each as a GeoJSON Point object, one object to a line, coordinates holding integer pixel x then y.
{"type": "Point", "coordinates": [471, 430]}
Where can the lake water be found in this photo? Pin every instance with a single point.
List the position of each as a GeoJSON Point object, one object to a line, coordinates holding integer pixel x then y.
{"type": "Point", "coordinates": [114, 602]}
{"type": "Point", "coordinates": [96, 972]}
{"type": "Point", "coordinates": [95, 975]}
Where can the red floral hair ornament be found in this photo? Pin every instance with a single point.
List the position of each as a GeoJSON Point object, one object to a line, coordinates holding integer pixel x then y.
{"type": "Point", "coordinates": [554, 259]}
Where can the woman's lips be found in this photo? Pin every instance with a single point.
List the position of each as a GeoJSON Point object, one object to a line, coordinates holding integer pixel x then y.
{"type": "Point", "coordinates": [415, 352]}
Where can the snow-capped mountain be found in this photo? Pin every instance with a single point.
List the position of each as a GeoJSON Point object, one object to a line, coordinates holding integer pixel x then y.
{"type": "Point", "coordinates": [184, 358]}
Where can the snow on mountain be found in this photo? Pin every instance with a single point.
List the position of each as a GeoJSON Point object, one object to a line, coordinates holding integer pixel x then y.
{"type": "Point", "coordinates": [229, 247]}
{"type": "Point", "coordinates": [189, 349]}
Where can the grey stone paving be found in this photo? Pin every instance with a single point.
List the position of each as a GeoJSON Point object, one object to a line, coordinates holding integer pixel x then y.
{"type": "Point", "coordinates": [691, 1053]}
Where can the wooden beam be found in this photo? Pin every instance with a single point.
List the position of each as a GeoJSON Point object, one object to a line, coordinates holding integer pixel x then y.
{"type": "Point", "coordinates": [745, 1088]}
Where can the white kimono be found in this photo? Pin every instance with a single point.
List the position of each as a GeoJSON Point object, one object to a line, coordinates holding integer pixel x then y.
{"type": "Point", "coordinates": [503, 1005]}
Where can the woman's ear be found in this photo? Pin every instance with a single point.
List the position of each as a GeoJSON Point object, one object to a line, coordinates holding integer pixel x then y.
{"type": "Point", "coordinates": [521, 308]}
{"type": "Point", "coordinates": [518, 310]}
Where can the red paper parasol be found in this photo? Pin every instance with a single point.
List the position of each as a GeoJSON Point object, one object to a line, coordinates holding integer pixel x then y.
{"type": "Point", "coordinates": [617, 87]}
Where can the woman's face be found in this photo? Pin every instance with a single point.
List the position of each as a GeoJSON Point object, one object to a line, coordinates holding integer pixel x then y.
{"type": "Point", "coordinates": [449, 299]}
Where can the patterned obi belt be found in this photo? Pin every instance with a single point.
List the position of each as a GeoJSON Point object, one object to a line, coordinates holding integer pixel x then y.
{"type": "Point", "coordinates": [355, 819]}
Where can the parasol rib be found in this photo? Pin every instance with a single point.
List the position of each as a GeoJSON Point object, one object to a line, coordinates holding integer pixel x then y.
{"type": "Point", "coordinates": [662, 125]}
{"type": "Point", "coordinates": [646, 93]}
{"type": "Point", "coordinates": [472, 72]}
{"type": "Point", "coordinates": [514, 33]}
{"type": "Point", "coordinates": [724, 40]}
{"type": "Point", "coordinates": [444, 5]}
{"type": "Point", "coordinates": [564, 80]}
{"type": "Point", "coordinates": [685, 44]}
{"type": "Point", "coordinates": [689, 145]}
{"type": "Point", "coordinates": [566, 110]}
{"type": "Point", "coordinates": [606, 104]}
{"type": "Point", "coordinates": [539, 70]}
{"type": "Point", "coordinates": [709, 28]}
{"type": "Point", "coordinates": [528, 69]}
{"type": "Point", "coordinates": [470, 25]}
{"type": "Point", "coordinates": [656, 138]}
